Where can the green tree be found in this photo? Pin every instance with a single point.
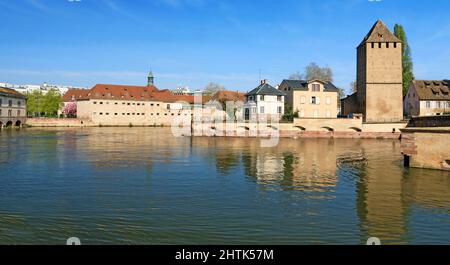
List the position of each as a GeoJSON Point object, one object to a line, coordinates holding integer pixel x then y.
{"type": "Point", "coordinates": [52, 103]}
{"type": "Point", "coordinates": [39, 104]}
{"type": "Point", "coordinates": [408, 74]}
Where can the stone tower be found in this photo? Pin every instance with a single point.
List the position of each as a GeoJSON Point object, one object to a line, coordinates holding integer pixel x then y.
{"type": "Point", "coordinates": [379, 76]}
{"type": "Point", "coordinates": [150, 79]}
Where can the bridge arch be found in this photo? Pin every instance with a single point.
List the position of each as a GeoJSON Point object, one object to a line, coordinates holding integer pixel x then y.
{"type": "Point", "coordinates": [9, 124]}
{"type": "Point", "coordinates": [329, 129]}
{"type": "Point", "coordinates": [244, 127]}
{"type": "Point", "coordinates": [300, 128]}
{"type": "Point", "coordinates": [18, 123]}
{"type": "Point", "coordinates": [356, 129]}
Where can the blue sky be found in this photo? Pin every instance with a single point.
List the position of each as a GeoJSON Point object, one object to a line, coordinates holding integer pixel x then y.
{"type": "Point", "coordinates": [194, 42]}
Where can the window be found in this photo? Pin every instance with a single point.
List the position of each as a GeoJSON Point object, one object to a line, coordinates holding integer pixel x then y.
{"type": "Point", "coordinates": [151, 104]}
{"type": "Point", "coordinates": [250, 98]}
{"type": "Point", "coordinates": [9, 113]}
{"type": "Point", "coordinates": [261, 110]}
{"type": "Point", "coordinates": [101, 113]}
{"type": "Point", "coordinates": [328, 100]}
{"type": "Point", "coordinates": [261, 97]}
{"type": "Point", "coordinates": [395, 44]}
{"type": "Point", "coordinates": [19, 103]}
{"type": "Point", "coordinates": [139, 104]}
{"type": "Point", "coordinates": [115, 114]}
{"type": "Point", "coordinates": [1, 102]}
{"type": "Point", "coordinates": [428, 104]}
{"type": "Point", "coordinates": [116, 103]}
{"type": "Point", "coordinates": [313, 100]}
{"type": "Point", "coordinates": [168, 106]}
{"type": "Point", "coordinates": [328, 114]}
{"type": "Point", "coordinates": [303, 100]}
{"type": "Point", "coordinates": [373, 45]}
{"type": "Point", "coordinates": [18, 113]}
{"type": "Point", "coordinates": [10, 103]}
{"type": "Point", "coordinates": [101, 103]}
{"type": "Point", "coordinates": [279, 109]}
{"type": "Point", "coordinates": [254, 110]}
{"type": "Point", "coordinates": [438, 105]}
{"type": "Point", "coordinates": [315, 88]}
{"type": "Point", "coordinates": [379, 45]}
{"type": "Point", "coordinates": [128, 103]}
{"type": "Point", "coordinates": [387, 45]}
{"type": "Point", "coordinates": [448, 104]}
{"type": "Point", "coordinates": [279, 98]}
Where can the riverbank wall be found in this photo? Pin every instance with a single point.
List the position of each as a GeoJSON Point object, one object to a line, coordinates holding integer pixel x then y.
{"type": "Point", "coordinates": [300, 128]}
{"type": "Point", "coordinates": [425, 143]}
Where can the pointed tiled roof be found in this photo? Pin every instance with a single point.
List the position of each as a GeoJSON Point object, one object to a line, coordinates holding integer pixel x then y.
{"type": "Point", "coordinates": [266, 89]}
{"type": "Point", "coordinates": [379, 33]}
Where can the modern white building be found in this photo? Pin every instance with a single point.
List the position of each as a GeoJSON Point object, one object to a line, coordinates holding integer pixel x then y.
{"type": "Point", "coordinates": [264, 102]}
{"type": "Point", "coordinates": [44, 88]}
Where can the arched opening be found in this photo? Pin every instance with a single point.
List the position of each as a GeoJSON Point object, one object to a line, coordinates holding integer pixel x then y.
{"type": "Point", "coordinates": [300, 128]}
{"type": "Point", "coordinates": [406, 160]}
{"type": "Point", "coordinates": [18, 123]}
{"type": "Point", "coordinates": [329, 129]}
{"type": "Point", "coordinates": [9, 123]}
{"type": "Point", "coordinates": [356, 129]}
{"type": "Point", "coordinates": [446, 163]}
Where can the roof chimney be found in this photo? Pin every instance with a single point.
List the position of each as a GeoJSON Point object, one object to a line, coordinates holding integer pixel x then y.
{"type": "Point", "coordinates": [264, 81]}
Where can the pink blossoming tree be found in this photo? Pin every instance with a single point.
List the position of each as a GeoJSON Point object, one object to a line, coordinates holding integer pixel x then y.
{"type": "Point", "coordinates": [70, 110]}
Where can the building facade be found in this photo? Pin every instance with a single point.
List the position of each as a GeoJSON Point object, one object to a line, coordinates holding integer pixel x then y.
{"type": "Point", "coordinates": [264, 102]}
{"type": "Point", "coordinates": [427, 98]}
{"type": "Point", "coordinates": [122, 105]}
{"type": "Point", "coordinates": [311, 99]}
{"type": "Point", "coordinates": [13, 108]}
{"type": "Point", "coordinates": [379, 96]}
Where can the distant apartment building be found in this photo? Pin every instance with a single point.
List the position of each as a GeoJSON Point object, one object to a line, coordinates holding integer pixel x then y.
{"type": "Point", "coordinates": [379, 96]}
{"type": "Point", "coordinates": [13, 108]}
{"type": "Point", "coordinates": [311, 99]}
{"type": "Point", "coordinates": [427, 98]}
{"type": "Point", "coordinates": [264, 102]}
{"type": "Point", "coordinates": [44, 88]}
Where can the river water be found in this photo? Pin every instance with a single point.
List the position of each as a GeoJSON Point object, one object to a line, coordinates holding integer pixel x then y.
{"type": "Point", "coordinates": [144, 186]}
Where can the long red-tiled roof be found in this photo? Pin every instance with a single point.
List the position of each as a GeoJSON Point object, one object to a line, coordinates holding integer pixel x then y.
{"type": "Point", "coordinates": [74, 94]}
{"type": "Point", "coordinates": [125, 92]}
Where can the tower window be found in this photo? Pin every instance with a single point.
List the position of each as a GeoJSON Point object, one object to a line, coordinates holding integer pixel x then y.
{"type": "Point", "coordinates": [379, 45]}
{"type": "Point", "coordinates": [387, 45]}
{"type": "Point", "coordinates": [395, 44]}
{"type": "Point", "coordinates": [373, 45]}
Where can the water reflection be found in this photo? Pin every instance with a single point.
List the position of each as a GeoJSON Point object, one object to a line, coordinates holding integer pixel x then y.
{"type": "Point", "coordinates": [137, 184]}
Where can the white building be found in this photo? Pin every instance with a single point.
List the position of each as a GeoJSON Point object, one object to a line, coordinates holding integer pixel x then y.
{"type": "Point", "coordinates": [264, 102]}
{"type": "Point", "coordinates": [44, 88]}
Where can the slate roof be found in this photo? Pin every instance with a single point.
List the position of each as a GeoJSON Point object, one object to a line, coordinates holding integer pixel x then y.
{"type": "Point", "coordinates": [11, 93]}
{"type": "Point", "coordinates": [302, 85]}
{"type": "Point", "coordinates": [266, 89]}
{"type": "Point", "coordinates": [432, 89]}
{"type": "Point", "coordinates": [379, 33]}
